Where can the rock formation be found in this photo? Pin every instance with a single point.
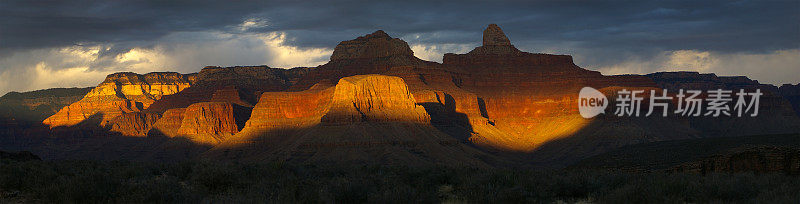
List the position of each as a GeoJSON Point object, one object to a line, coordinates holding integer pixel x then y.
{"type": "Point", "coordinates": [375, 53]}
{"type": "Point", "coordinates": [119, 93]}
{"type": "Point", "coordinates": [247, 81]}
{"type": "Point", "coordinates": [373, 98]}
{"type": "Point", "coordinates": [374, 101]}
{"type": "Point", "coordinates": [362, 119]}
{"type": "Point", "coordinates": [209, 122]}
{"type": "Point", "coordinates": [136, 124]}
{"type": "Point", "coordinates": [169, 123]}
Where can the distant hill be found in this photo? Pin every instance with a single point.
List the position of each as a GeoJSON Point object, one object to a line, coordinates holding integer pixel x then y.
{"type": "Point", "coordinates": [35, 106]}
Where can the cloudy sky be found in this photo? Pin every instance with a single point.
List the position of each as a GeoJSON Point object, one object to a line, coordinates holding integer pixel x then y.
{"type": "Point", "coordinates": [46, 44]}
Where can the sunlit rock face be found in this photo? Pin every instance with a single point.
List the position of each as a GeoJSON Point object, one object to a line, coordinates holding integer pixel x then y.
{"type": "Point", "coordinates": [361, 119]}
{"type": "Point", "coordinates": [355, 99]}
{"type": "Point", "coordinates": [529, 97]}
{"type": "Point", "coordinates": [276, 110]}
{"type": "Point", "coordinates": [373, 98]}
{"type": "Point", "coordinates": [168, 124]}
{"type": "Point", "coordinates": [210, 122]}
{"type": "Point", "coordinates": [141, 88]}
{"type": "Point", "coordinates": [119, 93]}
{"type": "Point", "coordinates": [374, 101]}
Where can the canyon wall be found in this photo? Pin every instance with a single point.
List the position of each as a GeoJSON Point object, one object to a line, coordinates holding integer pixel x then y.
{"type": "Point", "coordinates": [120, 93]}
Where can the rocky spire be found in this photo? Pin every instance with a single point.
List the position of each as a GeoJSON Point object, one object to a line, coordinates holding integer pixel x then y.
{"type": "Point", "coordinates": [494, 36]}
{"type": "Point", "coordinates": [495, 42]}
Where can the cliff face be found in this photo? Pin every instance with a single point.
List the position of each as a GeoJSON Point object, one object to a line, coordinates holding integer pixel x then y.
{"type": "Point", "coordinates": [210, 122]}
{"type": "Point", "coordinates": [135, 124]}
{"type": "Point", "coordinates": [169, 123]}
{"type": "Point", "coordinates": [362, 119]}
{"type": "Point", "coordinates": [373, 98]}
{"type": "Point", "coordinates": [529, 97]}
{"type": "Point", "coordinates": [144, 89]}
{"type": "Point", "coordinates": [119, 93]}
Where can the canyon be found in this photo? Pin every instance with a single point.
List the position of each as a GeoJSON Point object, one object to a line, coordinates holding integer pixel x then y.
{"type": "Point", "coordinates": [375, 102]}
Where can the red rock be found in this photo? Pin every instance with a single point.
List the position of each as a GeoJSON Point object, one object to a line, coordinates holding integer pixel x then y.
{"type": "Point", "coordinates": [169, 123]}
{"type": "Point", "coordinates": [209, 122]}
{"type": "Point", "coordinates": [373, 98]}
{"type": "Point", "coordinates": [277, 110]}
{"type": "Point", "coordinates": [134, 124]}
{"type": "Point", "coordinates": [120, 93]}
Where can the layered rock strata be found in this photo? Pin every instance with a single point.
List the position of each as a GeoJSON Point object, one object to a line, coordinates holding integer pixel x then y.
{"type": "Point", "coordinates": [210, 122]}
{"type": "Point", "coordinates": [136, 124]}
{"type": "Point", "coordinates": [119, 93]}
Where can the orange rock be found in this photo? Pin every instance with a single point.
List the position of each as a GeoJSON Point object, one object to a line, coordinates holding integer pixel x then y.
{"type": "Point", "coordinates": [209, 122]}
{"type": "Point", "coordinates": [120, 93]}
{"type": "Point", "coordinates": [373, 98]}
{"type": "Point", "coordinates": [169, 123]}
{"type": "Point", "coordinates": [134, 124]}
{"type": "Point", "coordinates": [290, 109]}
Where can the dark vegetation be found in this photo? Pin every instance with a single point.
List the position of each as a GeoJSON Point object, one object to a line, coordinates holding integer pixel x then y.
{"type": "Point", "coordinates": [657, 156]}
{"type": "Point", "coordinates": [95, 181]}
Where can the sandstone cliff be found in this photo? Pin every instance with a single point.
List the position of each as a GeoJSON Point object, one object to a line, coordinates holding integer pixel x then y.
{"type": "Point", "coordinates": [211, 122]}
{"type": "Point", "coordinates": [373, 98]}
{"type": "Point", "coordinates": [134, 124]}
{"type": "Point", "coordinates": [119, 93]}
{"type": "Point", "coordinates": [169, 123]}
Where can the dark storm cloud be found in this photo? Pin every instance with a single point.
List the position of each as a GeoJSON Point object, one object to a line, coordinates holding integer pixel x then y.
{"type": "Point", "coordinates": [38, 24]}
{"type": "Point", "coordinates": [753, 26]}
